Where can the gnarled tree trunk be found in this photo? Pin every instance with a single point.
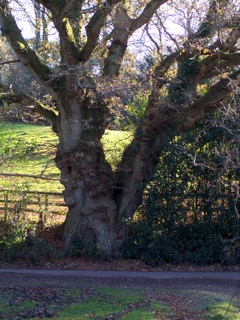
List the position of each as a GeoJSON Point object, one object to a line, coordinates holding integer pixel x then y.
{"type": "Point", "coordinates": [92, 214]}
{"type": "Point", "coordinates": [86, 175]}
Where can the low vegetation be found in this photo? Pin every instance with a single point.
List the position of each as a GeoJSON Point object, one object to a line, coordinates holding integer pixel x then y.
{"type": "Point", "coordinates": [112, 303]}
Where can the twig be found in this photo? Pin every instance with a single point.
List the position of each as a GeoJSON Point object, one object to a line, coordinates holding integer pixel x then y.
{"type": "Point", "coordinates": [230, 302]}
{"type": "Point", "coordinates": [27, 176]}
{"type": "Point", "coordinates": [8, 62]}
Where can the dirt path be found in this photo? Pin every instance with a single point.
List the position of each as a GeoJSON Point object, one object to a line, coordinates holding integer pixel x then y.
{"type": "Point", "coordinates": [228, 282]}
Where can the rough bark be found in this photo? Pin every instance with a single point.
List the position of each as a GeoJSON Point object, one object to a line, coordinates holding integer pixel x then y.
{"type": "Point", "coordinates": [124, 27]}
{"type": "Point", "coordinates": [87, 177]}
{"type": "Point", "coordinates": [88, 193]}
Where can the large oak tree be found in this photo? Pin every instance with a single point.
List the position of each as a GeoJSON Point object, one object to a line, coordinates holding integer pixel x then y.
{"type": "Point", "coordinates": [99, 198]}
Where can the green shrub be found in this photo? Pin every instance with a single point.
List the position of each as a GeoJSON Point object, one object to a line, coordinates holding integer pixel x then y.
{"type": "Point", "coordinates": [19, 240]}
{"type": "Point", "coordinates": [85, 249]}
{"type": "Point", "coordinates": [161, 250]}
{"type": "Point", "coordinates": [34, 250]}
{"type": "Point", "coordinates": [190, 213]}
{"type": "Point", "coordinates": [134, 112]}
{"type": "Point", "coordinates": [198, 244]}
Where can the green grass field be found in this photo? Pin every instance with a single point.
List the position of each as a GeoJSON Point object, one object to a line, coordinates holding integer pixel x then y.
{"type": "Point", "coordinates": [30, 149]}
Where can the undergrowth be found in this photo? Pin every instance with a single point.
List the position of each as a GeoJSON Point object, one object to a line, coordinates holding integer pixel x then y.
{"type": "Point", "coordinates": [22, 241]}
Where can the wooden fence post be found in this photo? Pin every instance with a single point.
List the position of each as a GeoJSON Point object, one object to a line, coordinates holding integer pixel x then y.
{"type": "Point", "coordinates": [5, 207]}
{"type": "Point", "coordinates": [46, 208]}
{"type": "Point", "coordinates": [24, 205]}
{"type": "Point", "coordinates": [40, 219]}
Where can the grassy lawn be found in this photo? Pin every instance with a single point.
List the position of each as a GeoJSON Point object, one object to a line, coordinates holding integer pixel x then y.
{"type": "Point", "coordinates": [30, 149]}
{"type": "Point", "coordinates": [115, 303]}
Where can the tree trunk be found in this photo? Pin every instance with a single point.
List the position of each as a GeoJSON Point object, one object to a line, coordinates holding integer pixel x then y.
{"type": "Point", "coordinates": [87, 177]}
{"type": "Point", "coordinates": [88, 194]}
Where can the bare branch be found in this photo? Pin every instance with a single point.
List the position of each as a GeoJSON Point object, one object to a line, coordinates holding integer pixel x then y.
{"type": "Point", "coordinates": [26, 55]}
{"type": "Point", "coordinates": [151, 38]}
{"type": "Point", "coordinates": [146, 15]}
{"type": "Point", "coordinates": [8, 62]}
{"type": "Point", "coordinates": [94, 28]}
{"type": "Point", "coordinates": [49, 114]}
{"type": "Point", "coordinates": [27, 176]}
{"type": "Point", "coordinates": [167, 33]}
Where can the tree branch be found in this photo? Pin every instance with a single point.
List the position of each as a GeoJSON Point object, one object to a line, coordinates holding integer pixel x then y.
{"type": "Point", "coordinates": [116, 51]}
{"type": "Point", "coordinates": [124, 27]}
{"type": "Point", "coordinates": [161, 69]}
{"type": "Point", "coordinates": [50, 115]}
{"type": "Point", "coordinates": [61, 12]}
{"type": "Point", "coordinates": [208, 26]}
{"type": "Point", "coordinates": [146, 15]}
{"type": "Point", "coordinates": [25, 54]}
{"type": "Point", "coordinates": [233, 38]}
{"type": "Point", "coordinates": [27, 176]}
{"type": "Point", "coordinates": [216, 63]}
{"type": "Point", "coordinates": [70, 5]}
{"type": "Point", "coordinates": [151, 38]}
{"type": "Point", "coordinates": [8, 62]}
{"type": "Point", "coordinates": [94, 27]}
{"type": "Point", "coordinates": [69, 49]}
{"type": "Point", "coordinates": [10, 97]}
{"type": "Point", "coordinates": [55, 7]}
{"type": "Point", "coordinates": [209, 101]}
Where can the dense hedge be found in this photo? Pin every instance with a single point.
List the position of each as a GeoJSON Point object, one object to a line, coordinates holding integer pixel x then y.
{"type": "Point", "coordinates": [191, 207]}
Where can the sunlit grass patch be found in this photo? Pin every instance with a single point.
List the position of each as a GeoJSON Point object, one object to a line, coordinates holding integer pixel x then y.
{"type": "Point", "coordinates": [114, 142]}
{"type": "Point", "coordinates": [106, 303]}
{"type": "Point", "coordinates": [30, 149]}
{"type": "Point", "coordinates": [222, 310]}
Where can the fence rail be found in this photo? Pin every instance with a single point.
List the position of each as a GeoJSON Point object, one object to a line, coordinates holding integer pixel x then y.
{"type": "Point", "coordinates": [32, 206]}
